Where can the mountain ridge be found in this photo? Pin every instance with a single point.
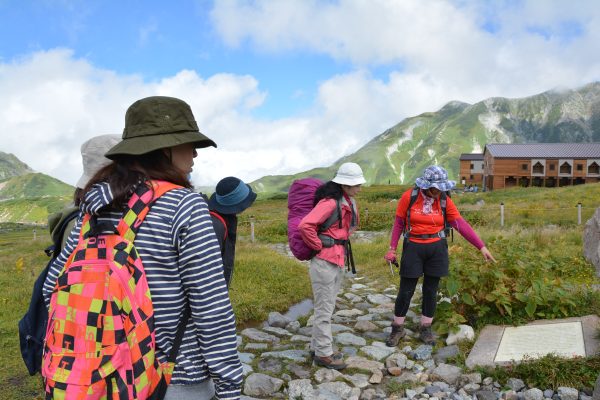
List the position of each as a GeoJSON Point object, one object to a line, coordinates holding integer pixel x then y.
{"type": "Point", "coordinates": [400, 153]}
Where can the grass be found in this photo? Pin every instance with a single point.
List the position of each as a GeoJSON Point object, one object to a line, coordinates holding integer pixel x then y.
{"type": "Point", "coordinates": [264, 281]}
{"type": "Point", "coordinates": [550, 372]}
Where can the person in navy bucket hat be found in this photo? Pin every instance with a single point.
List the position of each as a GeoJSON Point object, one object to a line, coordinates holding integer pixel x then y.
{"type": "Point", "coordinates": [435, 176]}
{"type": "Point", "coordinates": [231, 197]}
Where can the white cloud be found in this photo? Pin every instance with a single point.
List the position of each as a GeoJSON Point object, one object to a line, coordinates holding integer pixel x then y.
{"type": "Point", "coordinates": [443, 40]}
{"type": "Point", "coordinates": [436, 51]}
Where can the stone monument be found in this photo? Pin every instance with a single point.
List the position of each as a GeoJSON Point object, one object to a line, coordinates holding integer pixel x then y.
{"type": "Point", "coordinates": [591, 240]}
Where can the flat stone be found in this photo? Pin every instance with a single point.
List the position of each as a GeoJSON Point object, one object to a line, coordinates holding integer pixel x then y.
{"type": "Point", "coordinates": [376, 352]}
{"type": "Point", "coordinates": [259, 336]}
{"type": "Point", "coordinates": [326, 375]}
{"type": "Point", "coordinates": [298, 370]}
{"type": "Point", "coordinates": [278, 320]}
{"type": "Point", "coordinates": [301, 389]}
{"type": "Point", "coordinates": [447, 373]}
{"type": "Point", "coordinates": [486, 349]}
{"type": "Point", "coordinates": [277, 331]}
{"type": "Point", "coordinates": [397, 360]}
{"type": "Point", "coordinates": [358, 286]}
{"type": "Point", "coordinates": [335, 328]}
{"type": "Point", "coordinates": [378, 299]}
{"type": "Point", "coordinates": [349, 313]}
{"type": "Point", "coordinates": [339, 389]}
{"type": "Point", "coordinates": [353, 298]}
{"type": "Point", "coordinates": [376, 377]}
{"type": "Point", "coordinates": [300, 338]}
{"type": "Point", "coordinates": [256, 346]}
{"type": "Point", "coordinates": [422, 352]}
{"type": "Point", "coordinates": [270, 364]}
{"type": "Point", "coordinates": [261, 385]}
{"type": "Point", "coordinates": [246, 357]}
{"type": "Point", "coordinates": [293, 355]}
{"type": "Point", "coordinates": [377, 335]}
{"type": "Point", "coordinates": [363, 363]}
{"type": "Point", "coordinates": [364, 326]}
{"type": "Point", "coordinates": [346, 338]}
{"type": "Point", "coordinates": [357, 380]}
{"type": "Point", "coordinates": [446, 352]}
{"type": "Point", "coordinates": [406, 377]}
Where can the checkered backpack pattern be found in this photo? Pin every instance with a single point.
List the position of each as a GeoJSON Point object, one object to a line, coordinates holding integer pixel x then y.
{"type": "Point", "coordinates": [100, 341]}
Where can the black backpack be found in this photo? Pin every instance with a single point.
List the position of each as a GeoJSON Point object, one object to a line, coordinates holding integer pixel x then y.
{"type": "Point", "coordinates": [32, 327]}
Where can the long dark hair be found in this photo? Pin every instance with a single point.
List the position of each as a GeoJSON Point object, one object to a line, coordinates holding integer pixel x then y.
{"type": "Point", "coordinates": [328, 190]}
{"type": "Point", "coordinates": [127, 171]}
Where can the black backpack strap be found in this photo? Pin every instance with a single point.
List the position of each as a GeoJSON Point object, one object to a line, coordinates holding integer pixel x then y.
{"type": "Point", "coordinates": [179, 335]}
{"type": "Point", "coordinates": [414, 194]}
{"type": "Point", "coordinates": [336, 215]}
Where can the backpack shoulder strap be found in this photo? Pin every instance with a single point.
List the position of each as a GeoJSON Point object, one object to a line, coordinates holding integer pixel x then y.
{"type": "Point", "coordinates": [413, 198]}
{"type": "Point", "coordinates": [139, 205]}
{"type": "Point", "coordinates": [220, 218]}
{"type": "Point", "coordinates": [336, 215]}
{"type": "Point", "coordinates": [56, 247]}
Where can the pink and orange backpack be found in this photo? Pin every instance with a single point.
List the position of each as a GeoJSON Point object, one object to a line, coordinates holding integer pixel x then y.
{"type": "Point", "coordinates": [100, 341]}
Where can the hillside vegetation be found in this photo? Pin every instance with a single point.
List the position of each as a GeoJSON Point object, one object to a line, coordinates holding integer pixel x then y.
{"type": "Point", "coordinates": [540, 273]}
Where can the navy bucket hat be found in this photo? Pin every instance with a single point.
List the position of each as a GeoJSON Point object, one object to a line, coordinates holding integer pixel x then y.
{"type": "Point", "coordinates": [435, 176]}
{"type": "Point", "coordinates": [231, 196]}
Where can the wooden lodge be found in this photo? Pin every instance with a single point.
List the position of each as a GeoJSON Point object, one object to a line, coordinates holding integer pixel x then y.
{"type": "Point", "coordinates": [533, 164]}
{"type": "Point", "coordinates": [471, 169]}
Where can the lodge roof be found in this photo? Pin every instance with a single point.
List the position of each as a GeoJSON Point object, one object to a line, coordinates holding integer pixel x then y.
{"type": "Point", "coordinates": [543, 150]}
{"type": "Point", "coordinates": [471, 156]}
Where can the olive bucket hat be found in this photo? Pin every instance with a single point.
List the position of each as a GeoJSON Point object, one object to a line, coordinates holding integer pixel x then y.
{"type": "Point", "coordinates": [158, 122]}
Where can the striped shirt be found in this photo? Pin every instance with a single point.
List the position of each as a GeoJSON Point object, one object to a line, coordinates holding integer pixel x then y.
{"type": "Point", "coordinates": [182, 261]}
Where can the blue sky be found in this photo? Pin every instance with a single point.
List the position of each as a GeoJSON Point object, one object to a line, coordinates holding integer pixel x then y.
{"type": "Point", "coordinates": [281, 86]}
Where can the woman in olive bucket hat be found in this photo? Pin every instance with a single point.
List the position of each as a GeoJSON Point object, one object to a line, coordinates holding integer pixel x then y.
{"type": "Point", "coordinates": [176, 243]}
{"type": "Point", "coordinates": [231, 197]}
{"type": "Point", "coordinates": [327, 266]}
{"type": "Point", "coordinates": [425, 250]}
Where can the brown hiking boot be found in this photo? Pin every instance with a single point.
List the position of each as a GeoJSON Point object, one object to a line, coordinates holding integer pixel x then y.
{"type": "Point", "coordinates": [397, 334]}
{"type": "Point", "coordinates": [330, 362]}
{"type": "Point", "coordinates": [336, 356]}
{"type": "Point", "coordinates": [426, 335]}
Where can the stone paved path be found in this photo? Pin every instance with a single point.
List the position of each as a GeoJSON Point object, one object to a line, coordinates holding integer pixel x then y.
{"type": "Point", "coordinates": [277, 362]}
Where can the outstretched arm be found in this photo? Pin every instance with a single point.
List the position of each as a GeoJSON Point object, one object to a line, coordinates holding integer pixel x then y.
{"type": "Point", "coordinates": [469, 234]}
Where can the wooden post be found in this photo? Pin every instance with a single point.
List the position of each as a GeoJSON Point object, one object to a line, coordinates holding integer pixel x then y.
{"type": "Point", "coordinates": [366, 214]}
{"type": "Point", "coordinates": [252, 229]}
{"type": "Point", "coordinates": [501, 214]}
{"type": "Point", "coordinates": [34, 234]}
{"type": "Point", "coordinates": [579, 213]}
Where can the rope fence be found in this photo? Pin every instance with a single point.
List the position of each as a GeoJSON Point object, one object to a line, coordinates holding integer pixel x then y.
{"type": "Point", "coordinates": [32, 233]}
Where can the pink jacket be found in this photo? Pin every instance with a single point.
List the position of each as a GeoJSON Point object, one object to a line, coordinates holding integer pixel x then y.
{"type": "Point", "coordinates": [309, 229]}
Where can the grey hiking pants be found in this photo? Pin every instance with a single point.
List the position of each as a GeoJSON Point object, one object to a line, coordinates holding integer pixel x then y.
{"type": "Point", "coordinates": [326, 279]}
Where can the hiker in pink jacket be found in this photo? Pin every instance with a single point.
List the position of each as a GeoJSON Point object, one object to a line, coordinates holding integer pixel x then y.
{"type": "Point", "coordinates": [331, 246]}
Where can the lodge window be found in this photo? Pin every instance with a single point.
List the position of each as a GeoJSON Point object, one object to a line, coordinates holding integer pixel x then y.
{"type": "Point", "coordinates": [472, 166]}
{"type": "Point", "coordinates": [551, 167]}
{"type": "Point", "coordinates": [565, 168]}
{"type": "Point", "coordinates": [538, 168]}
{"type": "Point", "coordinates": [524, 167]}
{"type": "Point", "coordinates": [594, 169]}
{"type": "Point", "coordinates": [579, 167]}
